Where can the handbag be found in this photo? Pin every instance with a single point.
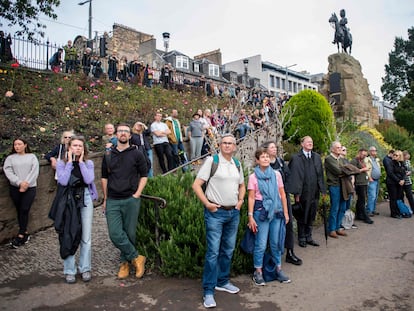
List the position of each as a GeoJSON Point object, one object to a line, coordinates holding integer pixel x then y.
{"type": "Point", "coordinates": [405, 210]}
{"type": "Point", "coordinates": [248, 241]}
{"type": "Point", "coordinates": [269, 269]}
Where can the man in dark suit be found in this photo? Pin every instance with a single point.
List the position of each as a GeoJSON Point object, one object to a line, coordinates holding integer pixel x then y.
{"type": "Point", "coordinates": [306, 182]}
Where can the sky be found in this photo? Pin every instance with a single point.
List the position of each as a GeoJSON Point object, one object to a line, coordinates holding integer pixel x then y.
{"type": "Point", "coordinates": [283, 32]}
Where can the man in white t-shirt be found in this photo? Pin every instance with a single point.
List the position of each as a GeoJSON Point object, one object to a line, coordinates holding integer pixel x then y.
{"type": "Point", "coordinates": [222, 202]}
{"type": "Point", "coordinates": [162, 147]}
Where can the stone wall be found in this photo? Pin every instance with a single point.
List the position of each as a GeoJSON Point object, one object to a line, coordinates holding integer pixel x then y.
{"type": "Point", "coordinates": [355, 100]}
{"type": "Point", "coordinates": [127, 41]}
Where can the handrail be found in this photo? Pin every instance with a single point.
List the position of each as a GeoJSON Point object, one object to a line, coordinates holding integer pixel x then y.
{"type": "Point", "coordinates": [262, 129]}
{"type": "Point", "coordinates": [159, 202]}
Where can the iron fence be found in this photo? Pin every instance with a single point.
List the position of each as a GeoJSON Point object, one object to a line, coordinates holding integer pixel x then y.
{"type": "Point", "coordinates": [33, 55]}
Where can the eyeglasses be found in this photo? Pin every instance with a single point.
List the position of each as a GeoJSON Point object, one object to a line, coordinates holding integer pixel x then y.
{"type": "Point", "coordinates": [123, 131]}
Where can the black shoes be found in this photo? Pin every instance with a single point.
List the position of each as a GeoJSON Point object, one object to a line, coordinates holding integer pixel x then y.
{"type": "Point", "coordinates": [302, 243]}
{"type": "Point", "coordinates": [312, 242]}
{"type": "Point", "coordinates": [292, 258]}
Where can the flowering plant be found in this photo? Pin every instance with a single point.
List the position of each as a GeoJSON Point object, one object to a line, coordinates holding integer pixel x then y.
{"type": "Point", "coordinates": [14, 65]}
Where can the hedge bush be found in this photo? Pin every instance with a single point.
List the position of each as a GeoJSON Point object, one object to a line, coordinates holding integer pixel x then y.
{"type": "Point", "coordinates": [182, 244]}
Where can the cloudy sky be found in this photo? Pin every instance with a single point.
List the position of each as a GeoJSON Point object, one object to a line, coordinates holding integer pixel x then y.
{"type": "Point", "coordinates": [283, 32]}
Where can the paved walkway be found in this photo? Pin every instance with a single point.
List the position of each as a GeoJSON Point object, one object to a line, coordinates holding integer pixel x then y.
{"type": "Point", "coordinates": [371, 269]}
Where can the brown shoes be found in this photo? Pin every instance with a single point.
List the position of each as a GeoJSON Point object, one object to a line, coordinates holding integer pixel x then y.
{"type": "Point", "coordinates": [333, 234]}
{"type": "Point", "coordinates": [341, 232]}
{"type": "Point", "coordinates": [139, 264]}
{"type": "Point", "coordinates": [123, 270]}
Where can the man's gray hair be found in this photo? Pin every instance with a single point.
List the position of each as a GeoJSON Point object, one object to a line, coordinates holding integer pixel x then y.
{"type": "Point", "coordinates": [334, 143]}
{"type": "Point", "coordinates": [227, 135]}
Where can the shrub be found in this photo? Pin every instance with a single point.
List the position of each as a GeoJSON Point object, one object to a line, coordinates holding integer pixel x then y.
{"type": "Point", "coordinates": [313, 117]}
{"type": "Point", "coordinates": [182, 244]}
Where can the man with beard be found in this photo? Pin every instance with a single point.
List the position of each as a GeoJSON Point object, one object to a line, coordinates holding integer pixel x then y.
{"type": "Point", "coordinates": [306, 183]}
{"type": "Point", "coordinates": [124, 176]}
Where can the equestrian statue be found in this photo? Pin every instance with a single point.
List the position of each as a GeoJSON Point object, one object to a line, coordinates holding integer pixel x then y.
{"type": "Point", "coordinates": [342, 34]}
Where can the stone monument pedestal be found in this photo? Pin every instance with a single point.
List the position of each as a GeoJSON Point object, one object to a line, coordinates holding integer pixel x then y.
{"type": "Point", "coordinates": [347, 90]}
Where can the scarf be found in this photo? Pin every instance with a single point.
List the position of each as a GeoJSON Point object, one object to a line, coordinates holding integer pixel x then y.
{"type": "Point", "coordinates": [269, 189]}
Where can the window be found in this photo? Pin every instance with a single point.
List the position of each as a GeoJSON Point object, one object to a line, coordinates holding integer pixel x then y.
{"type": "Point", "coordinates": [277, 82]}
{"type": "Point", "coordinates": [196, 67]}
{"type": "Point", "coordinates": [272, 81]}
{"type": "Point", "coordinates": [213, 70]}
{"type": "Point", "coordinates": [181, 62]}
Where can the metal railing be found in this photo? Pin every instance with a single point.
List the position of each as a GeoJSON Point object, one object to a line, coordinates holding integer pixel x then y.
{"type": "Point", "coordinates": [33, 55]}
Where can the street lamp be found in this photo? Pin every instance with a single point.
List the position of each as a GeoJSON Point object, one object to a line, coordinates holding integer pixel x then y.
{"type": "Point", "coordinates": [286, 80]}
{"type": "Point", "coordinates": [166, 38]}
{"type": "Point", "coordinates": [246, 71]}
{"type": "Point", "coordinates": [90, 16]}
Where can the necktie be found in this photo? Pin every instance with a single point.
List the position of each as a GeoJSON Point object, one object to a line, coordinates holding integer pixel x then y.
{"type": "Point", "coordinates": [309, 155]}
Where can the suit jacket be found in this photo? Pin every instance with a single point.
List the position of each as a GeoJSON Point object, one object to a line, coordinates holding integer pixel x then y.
{"type": "Point", "coordinates": [296, 178]}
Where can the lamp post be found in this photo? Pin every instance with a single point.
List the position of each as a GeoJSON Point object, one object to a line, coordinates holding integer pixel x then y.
{"type": "Point", "coordinates": [246, 71]}
{"type": "Point", "coordinates": [90, 16]}
{"type": "Point", "coordinates": [286, 80]}
{"type": "Point", "coordinates": [166, 38]}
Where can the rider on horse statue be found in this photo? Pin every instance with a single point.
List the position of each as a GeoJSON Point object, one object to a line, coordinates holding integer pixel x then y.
{"type": "Point", "coordinates": [342, 34]}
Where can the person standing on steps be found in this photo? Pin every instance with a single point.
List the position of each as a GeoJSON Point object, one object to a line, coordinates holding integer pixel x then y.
{"type": "Point", "coordinates": [124, 176]}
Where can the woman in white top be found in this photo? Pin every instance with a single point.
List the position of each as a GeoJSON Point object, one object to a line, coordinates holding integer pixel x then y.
{"type": "Point", "coordinates": [21, 168]}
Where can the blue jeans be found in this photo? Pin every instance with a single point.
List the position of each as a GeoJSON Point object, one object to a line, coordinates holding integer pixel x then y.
{"type": "Point", "coordinates": [373, 190]}
{"type": "Point", "coordinates": [221, 234]}
{"type": "Point", "coordinates": [122, 219]}
{"type": "Point", "coordinates": [69, 265]}
{"type": "Point", "coordinates": [338, 206]}
{"type": "Point", "coordinates": [267, 230]}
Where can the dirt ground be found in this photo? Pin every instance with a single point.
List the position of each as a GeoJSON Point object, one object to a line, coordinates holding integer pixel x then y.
{"type": "Point", "coordinates": [370, 269]}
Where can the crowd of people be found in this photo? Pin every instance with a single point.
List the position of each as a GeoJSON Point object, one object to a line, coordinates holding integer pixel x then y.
{"type": "Point", "coordinates": [277, 193]}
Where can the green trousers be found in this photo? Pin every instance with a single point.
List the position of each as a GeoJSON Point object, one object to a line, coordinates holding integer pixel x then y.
{"type": "Point", "coordinates": [122, 219]}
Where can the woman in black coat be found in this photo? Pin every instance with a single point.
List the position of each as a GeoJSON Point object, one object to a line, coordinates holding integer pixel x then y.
{"type": "Point", "coordinates": [395, 182]}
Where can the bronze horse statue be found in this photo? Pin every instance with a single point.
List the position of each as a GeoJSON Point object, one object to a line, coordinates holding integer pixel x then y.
{"type": "Point", "coordinates": [342, 34]}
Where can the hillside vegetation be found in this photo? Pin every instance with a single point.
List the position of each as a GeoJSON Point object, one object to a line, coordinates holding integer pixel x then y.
{"type": "Point", "coordinates": [40, 105]}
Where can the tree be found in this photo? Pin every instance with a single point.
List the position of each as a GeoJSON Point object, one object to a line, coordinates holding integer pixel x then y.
{"type": "Point", "coordinates": [313, 117]}
{"type": "Point", "coordinates": [399, 77]}
{"type": "Point", "coordinates": [404, 112]}
{"type": "Point", "coordinates": [25, 14]}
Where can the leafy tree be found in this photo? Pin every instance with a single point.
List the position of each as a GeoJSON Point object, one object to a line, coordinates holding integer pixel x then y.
{"type": "Point", "coordinates": [399, 77]}
{"type": "Point", "coordinates": [26, 13]}
{"type": "Point", "coordinates": [404, 112]}
{"type": "Point", "coordinates": [313, 117]}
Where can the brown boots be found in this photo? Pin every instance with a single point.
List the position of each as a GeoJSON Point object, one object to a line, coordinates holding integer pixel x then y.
{"type": "Point", "coordinates": [138, 263]}
{"type": "Point", "coordinates": [123, 270]}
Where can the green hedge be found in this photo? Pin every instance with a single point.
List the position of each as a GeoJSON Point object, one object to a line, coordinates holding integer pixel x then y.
{"type": "Point", "coordinates": [181, 230]}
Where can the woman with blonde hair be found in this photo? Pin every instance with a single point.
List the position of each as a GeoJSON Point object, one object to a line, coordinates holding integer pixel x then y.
{"type": "Point", "coordinates": [395, 182]}
{"type": "Point", "coordinates": [59, 151]}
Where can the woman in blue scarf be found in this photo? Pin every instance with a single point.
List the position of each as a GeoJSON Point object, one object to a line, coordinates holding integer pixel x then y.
{"type": "Point", "coordinates": [268, 215]}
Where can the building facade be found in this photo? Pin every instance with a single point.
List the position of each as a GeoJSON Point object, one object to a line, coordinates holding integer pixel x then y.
{"type": "Point", "coordinates": [274, 78]}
